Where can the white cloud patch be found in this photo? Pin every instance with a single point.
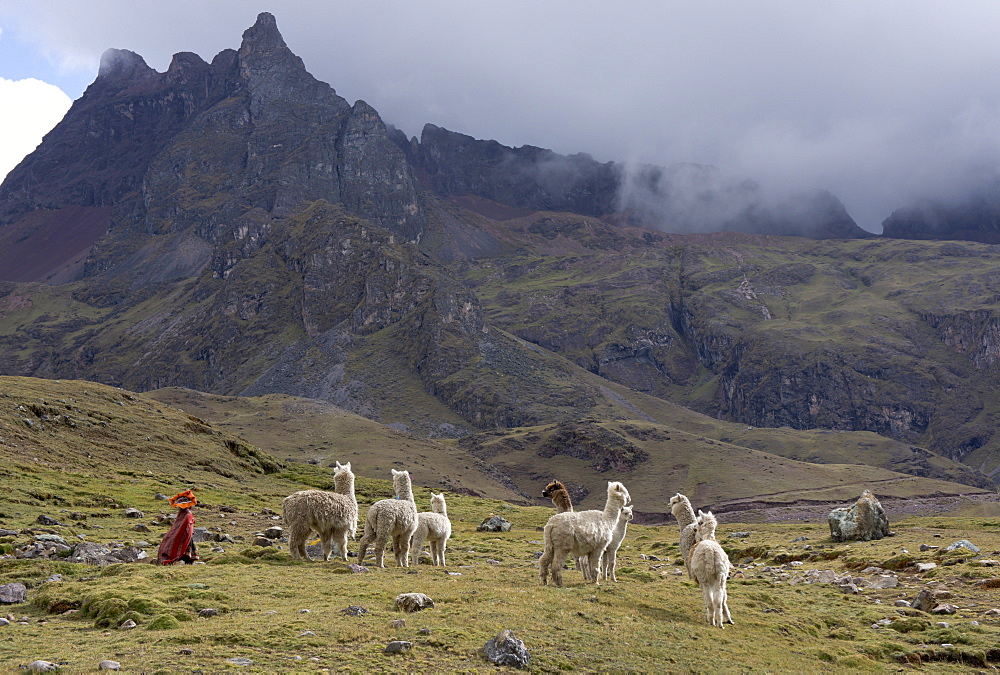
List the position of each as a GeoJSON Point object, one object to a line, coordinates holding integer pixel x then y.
{"type": "Point", "coordinates": [28, 110]}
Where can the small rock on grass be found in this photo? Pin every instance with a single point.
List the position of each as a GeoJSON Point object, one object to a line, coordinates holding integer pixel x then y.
{"type": "Point", "coordinates": [413, 602]}
{"type": "Point", "coordinates": [109, 665]}
{"type": "Point", "coordinates": [507, 650]}
{"type": "Point", "coordinates": [40, 666]}
{"type": "Point", "coordinates": [398, 647]}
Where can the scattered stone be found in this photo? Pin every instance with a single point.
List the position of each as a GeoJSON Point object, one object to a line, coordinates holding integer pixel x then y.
{"type": "Point", "coordinates": [798, 539]}
{"type": "Point", "coordinates": [494, 524]}
{"type": "Point", "coordinates": [202, 534]}
{"type": "Point", "coordinates": [398, 647]}
{"type": "Point", "coordinates": [988, 563]}
{"type": "Point", "coordinates": [50, 538]}
{"type": "Point", "coordinates": [41, 666]}
{"type": "Point", "coordinates": [307, 633]}
{"type": "Point", "coordinates": [413, 602]}
{"type": "Point", "coordinates": [863, 521]}
{"type": "Point", "coordinates": [127, 625]}
{"type": "Point", "coordinates": [506, 650]}
{"type": "Point", "coordinates": [262, 541]}
{"type": "Point", "coordinates": [902, 603]}
{"type": "Point", "coordinates": [354, 610]}
{"type": "Point", "coordinates": [424, 631]}
{"type": "Point", "coordinates": [946, 608]}
{"type": "Point", "coordinates": [739, 535]}
{"type": "Point", "coordinates": [491, 561]}
{"type": "Point", "coordinates": [134, 513]}
{"type": "Point", "coordinates": [925, 566]}
{"type": "Point", "coordinates": [161, 497]}
{"type": "Point", "coordinates": [883, 581]}
{"type": "Point", "coordinates": [4, 622]}
{"type": "Point", "coordinates": [228, 509]}
{"type": "Point", "coordinates": [141, 527]}
{"type": "Point", "coordinates": [13, 593]}
{"type": "Point", "coordinates": [453, 574]}
{"type": "Point", "coordinates": [187, 651]}
{"type": "Point", "coordinates": [992, 612]}
{"type": "Point", "coordinates": [47, 520]}
{"type": "Point", "coordinates": [399, 623]}
{"type": "Point", "coordinates": [927, 600]}
{"type": "Point", "coordinates": [109, 665]}
{"type": "Point", "coordinates": [54, 577]}
{"type": "Point", "coordinates": [208, 611]}
{"type": "Point", "coordinates": [274, 532]}
{"type": "Point", "coordinates": [942, 624]}
{"type": "Point", "coordinates": [928, 547]}
{"type": "Point", "coordinates": [963, 543]}
{"type": "Point", "coordinates": [240, 661]}
{"type": "Point", "coordinates": [304, 611]}
{"type": "Point", "coordinates": [357, 569]}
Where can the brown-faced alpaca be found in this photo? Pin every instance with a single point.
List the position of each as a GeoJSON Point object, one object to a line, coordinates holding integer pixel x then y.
{"type": "Point", "coordinates": [559, 495]}
{"type": "Point", "coordinates": [583, 534]}
{"type": "Point", "coordinates": [394, 519]}
{"type": "Point", "coordinates": [434, 527]}
{"type": "Point", "coordinates": [709, 567]}
{"type": "Point", "coordinates": [331, 515]}
{"type": "Point", "coordinates": [610, 559]}
{"type": "Point", "coordinates": [680, 506]}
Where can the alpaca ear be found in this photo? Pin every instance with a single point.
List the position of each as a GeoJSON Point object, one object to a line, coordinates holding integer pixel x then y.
{"type": "Point", "coordinates": [348, 466]}
{"type": "Point", "coordinates": [396, 473]}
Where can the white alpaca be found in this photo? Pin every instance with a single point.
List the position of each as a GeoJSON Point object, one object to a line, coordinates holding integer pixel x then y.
{"type": "Point", "coordinates": [610, 558]}
{"type": "Point", "coordinates": [332, 515]}
{"type": "Point", "coordinates": [709, 567]}
{"type": "Point", "coordinates": [434, 527]}
{"type": "Point", "coordinates": [391, 518]}
{"type": "Point", "coordinates": [582, 534]}
{"type": "Point", "coordinates": [680, 506]}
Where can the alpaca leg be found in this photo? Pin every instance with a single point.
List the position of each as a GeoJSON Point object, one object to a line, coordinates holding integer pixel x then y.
{"type": "Point", "coordinates": [441, 546]}
{"type": "Point", "coordinates": [610, 561]}
{"type": "Point", "coordinates": [297, 543]}
{"type": "Point", "coordinates": [363, 548]}
{"type": "Point", "coordinates": [725, 606]}
{"type": "Point", "coordinates": [556, 568]}
{"type": "Point", "coordinates": [543, 566]}
{"type": "Point", "coordinates": [380, 543]}
{"type": "Point", "coordinates": [416, 544]}
{"type": "Point", "coordinates": [594, 562]}
{"type": "Point", "coordinates": [340, 538]}
{"type": "Point", "coordinates": [402, 546]}
{"type": "Point", "coordinates": [327, 541]}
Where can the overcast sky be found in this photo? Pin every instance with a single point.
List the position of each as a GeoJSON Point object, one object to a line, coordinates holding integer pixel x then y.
{"type": "Point", "coordinates": [880, 102]}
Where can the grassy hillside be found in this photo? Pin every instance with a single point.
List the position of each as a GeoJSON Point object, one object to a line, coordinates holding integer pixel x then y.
{"type": "Point", "coordinates": [87, 451]}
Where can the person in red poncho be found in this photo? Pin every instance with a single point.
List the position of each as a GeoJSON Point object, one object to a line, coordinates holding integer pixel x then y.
{"type": "Point", "coordinates": [178, 543]}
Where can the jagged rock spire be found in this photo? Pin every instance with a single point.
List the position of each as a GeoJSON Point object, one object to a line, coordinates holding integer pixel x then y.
{"type": "Point", "coordinates": [123, 64]}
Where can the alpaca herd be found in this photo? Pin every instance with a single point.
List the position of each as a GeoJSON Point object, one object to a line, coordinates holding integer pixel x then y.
{"type": "Point", "coordinates": [592, 537]}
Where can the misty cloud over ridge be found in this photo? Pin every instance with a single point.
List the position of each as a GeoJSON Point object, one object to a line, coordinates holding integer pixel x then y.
{"type": "Point", "coordinates": [879, 103]}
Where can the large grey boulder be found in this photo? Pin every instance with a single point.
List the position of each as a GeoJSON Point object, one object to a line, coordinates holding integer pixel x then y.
{"type": "Point", "coordinates": [13, 593]}
{"type": "Point", "coordinates": [507, 650]}
{"type": "Point", "coordinates": [863, 521]}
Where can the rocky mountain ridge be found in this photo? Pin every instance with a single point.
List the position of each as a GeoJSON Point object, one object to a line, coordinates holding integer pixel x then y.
{"type": "Point", "coordinates": [237, 227]}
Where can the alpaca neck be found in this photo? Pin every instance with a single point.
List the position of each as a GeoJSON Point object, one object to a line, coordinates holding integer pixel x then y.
{"type": "Point", "coordinates": [562, 502]}
{"type": "Point", "coordinates": [405, 492]}
{"type": "Point", "coordinates": [613, 509]}
{"type": "Point", "coordinates": [345, 486]}
{"type": "Point", "coordinates": [441, 508]}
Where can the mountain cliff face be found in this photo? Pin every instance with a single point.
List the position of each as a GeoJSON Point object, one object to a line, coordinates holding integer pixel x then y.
{"type": "Point", "coordinates": [237, 227]}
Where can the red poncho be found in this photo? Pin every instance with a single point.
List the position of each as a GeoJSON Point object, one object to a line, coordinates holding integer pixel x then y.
{"type": "Point", "coordinates": [177, 544]}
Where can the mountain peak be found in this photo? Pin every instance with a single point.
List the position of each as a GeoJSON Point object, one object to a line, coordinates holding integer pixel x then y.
{"type": "Point", "coordinates": [263, 36]}
{"type": "Point", "coordinates": [123, 64]}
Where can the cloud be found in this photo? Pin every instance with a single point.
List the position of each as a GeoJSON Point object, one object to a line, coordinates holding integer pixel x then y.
{"type": "Point", "coordinates": [29, 109]}
{"type": "Point", "coordinates": [877, 102]}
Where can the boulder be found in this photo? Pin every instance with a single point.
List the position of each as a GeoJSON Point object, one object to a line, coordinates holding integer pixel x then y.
{"type": "Point", "coordinates": [13, 593]}
{"type": "Point", "coordinates": [507, 650]}
{"type": "Point", "coordinates": [413, 602]}
{"type": "Point", "coordinates": [863, 521]}
{"type": "Point", "coordinates": [494, 524]}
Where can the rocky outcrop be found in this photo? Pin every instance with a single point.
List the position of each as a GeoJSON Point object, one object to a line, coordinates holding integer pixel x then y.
{"type": "Point", "coordinates": [865, 520]}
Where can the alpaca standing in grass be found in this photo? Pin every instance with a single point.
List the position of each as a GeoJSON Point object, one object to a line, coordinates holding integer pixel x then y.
{"type": "Point", "coordinates": [394, 519]}
{"type": "Point", "coordinates": [434, 527]}
{"type": "Point", "coordinates": [582, 534]}
{"type": "Point", "coordinates": [610, 558]}
{"type": "Point", "coordinates": [680, 506]}
{"type": "Point", "coordinates": [559, 495]}
{"type": "Point", "coordinates": [332, 515]}
{"type": "Point", "coordinates": [709, 567]}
